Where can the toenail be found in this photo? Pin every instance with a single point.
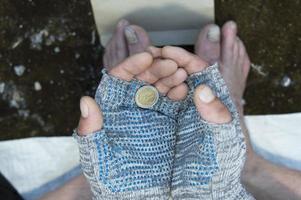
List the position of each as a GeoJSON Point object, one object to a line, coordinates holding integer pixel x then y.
{"type": "Point", "coordinates": [122, 22]}
{"type": "Point", "coordinates": [206, 95]}
{"type": "Point", "coordinates": [214, 33]}
{"type": "Point", "coordinates": [233, 25]}
{"type": "Point", "coordinates": [130, 35]}
{"type": "Point", "coordinates": [146, 96]}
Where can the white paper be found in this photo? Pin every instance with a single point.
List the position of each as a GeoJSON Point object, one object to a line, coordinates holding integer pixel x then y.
{"type": "Point", "coordinates": [168, 22]}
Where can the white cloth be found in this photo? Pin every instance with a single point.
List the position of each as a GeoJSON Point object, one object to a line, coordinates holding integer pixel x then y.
{"type": "Point", "coordinates": [277, 138]}
{"type": "Point", "coordinates": [32, 163]}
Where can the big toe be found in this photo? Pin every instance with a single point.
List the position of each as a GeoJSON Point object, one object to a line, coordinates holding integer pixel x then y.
{"type": "Point", "coordinates": [229, 39]}
{"type": "Point", "coordinates": [137, 39]}
{"type": "Point", "coordinates": [210, 108]}
{"type": "Point", "coordinates": [116, 49]}
{"type": "Point", "coordinates": [91, 119]}
{"type": "Point", "coordinates": [208, 44]}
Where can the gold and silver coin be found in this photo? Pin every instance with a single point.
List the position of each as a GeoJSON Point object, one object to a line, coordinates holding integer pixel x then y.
{"type": "Point", "coordinates": [146, 96]}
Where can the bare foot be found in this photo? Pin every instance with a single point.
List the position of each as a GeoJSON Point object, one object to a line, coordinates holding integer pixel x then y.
{"type": "Point", "coordinates": [262, 178]}
{"type": "Point", "coordinates": [231, 54]}
{"type": "Point", "coordinates": [76, 189]}
{"type": "Point", "coordinates": [188, 177]}
{"type": "Point", "coordinates": [234, 66]}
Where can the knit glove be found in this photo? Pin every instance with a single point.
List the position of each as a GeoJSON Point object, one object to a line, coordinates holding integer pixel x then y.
{"type": "Point", "coordinates": [131, 156]}
{"type": "Point", "coordinates": [209, 157]}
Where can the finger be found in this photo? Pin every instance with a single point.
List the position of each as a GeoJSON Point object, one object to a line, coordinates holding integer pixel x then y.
{"type": "Point", "coordinates": [132, 66]}
{"type": "Point", "coordinates": [156, 52]}
{"type": "Point", "coordinates": [178, 93]}
{"type": "Point", "coordinates": [91, 119]}
{"type": "Point", "coordinates": [160, 68]}
{"type": "Point", "coordinates": [209, 107]}
{"type": "Point", "coordinates": [190, 62]}
{"type": "Point", "coordinates": [175, 79]}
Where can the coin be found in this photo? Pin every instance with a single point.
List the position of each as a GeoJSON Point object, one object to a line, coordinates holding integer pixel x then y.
{"type": "Point", "coordinates": [146, 96]}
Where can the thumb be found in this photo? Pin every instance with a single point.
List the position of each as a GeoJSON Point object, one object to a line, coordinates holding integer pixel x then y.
{"type": "Point", "coordinates": [91, 119]}
{"type": "Point", "coordinates": [210, 107]}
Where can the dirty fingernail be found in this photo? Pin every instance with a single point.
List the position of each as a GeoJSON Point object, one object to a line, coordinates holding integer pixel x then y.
{"type": "Point", "coordinates": [130, 35]}
{"type": "Point", "coordinates": [214, 33]}
{"type": "Point", "coordinates": [84, 109]}
{"type": "Point", "coordinates": [206, 95]}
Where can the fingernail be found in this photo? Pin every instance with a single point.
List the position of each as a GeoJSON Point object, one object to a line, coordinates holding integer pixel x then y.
{"type": "Point", "coordinates": [206, 95]}
{"type": "Point", "coordinates": [214, 34]}
{"type": "Point", "coordinates": [131, 35]}
{"type": "Point", "coordinates": [84, 109]}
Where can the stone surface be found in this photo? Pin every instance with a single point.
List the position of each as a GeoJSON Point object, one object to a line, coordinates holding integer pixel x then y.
{"type": "Point", "coordinates": [54, 41]}
{"type": "Point", "coordinates": [57, 44]}
{"type": "Point", "coordinates": [272, 33]}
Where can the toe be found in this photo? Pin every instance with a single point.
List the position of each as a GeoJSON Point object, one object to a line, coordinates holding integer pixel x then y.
{"type": "Point", "coordinates": [244, 60]}
{"type": "Point", "coordinates": [208, 43]}
{"type": "Point", "coordinates": [178, 93]}
{"type": "Point", "coordinates": [241, 54]}
{"type": "Point", "coordinates": [247, 64]}
{"type": "Point", "coordinates": [120, 42]}
{"type": "Point", "coordinates": [235, 52]}
{"type": "Point", "coordinates": [190, 62]}
{"type": "Point", "coordinates": [116, 49]}
{"type": "Point", "coordinates": [91, 119]}
{"type": "Point", "coordinates": [229, 32]}
{"type": "Point", "coordinates": [132, 66]}
{"type": "Point", "coordinates": [209, 107]}
{"type": "Point", "coordinates": [137, 39]}
{"type": "Point", "coordinates": [242, 49]}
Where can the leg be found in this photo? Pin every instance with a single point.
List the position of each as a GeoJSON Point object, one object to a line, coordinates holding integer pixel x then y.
{"type": "Point", "coordinates": [76, 189]}
{"type": "Point", "coordinates": [262, 178]}
{"type": "Point", "coordinates": [210, 149]}
{"type": "Point", "coordinates": [127, 40]}
{"type": "Point", "coordinates": [161, 72]}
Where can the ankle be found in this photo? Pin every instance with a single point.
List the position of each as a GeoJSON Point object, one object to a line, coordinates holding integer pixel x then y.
{"type": "Point", "coordinates": [251, 168]}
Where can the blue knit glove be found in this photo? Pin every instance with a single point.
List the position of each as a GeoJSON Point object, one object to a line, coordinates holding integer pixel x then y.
{"type": "Point", "coordinates": [209, 157]}
{"type": "Point", "coordinates": [131, 157]}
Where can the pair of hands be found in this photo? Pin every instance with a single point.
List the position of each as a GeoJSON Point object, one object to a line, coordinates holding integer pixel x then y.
{"type": "Point", "coordinates": [115, 157]}
{"type": "Point", "coordinates": [166, 148]}
{"type": "Point", "coordinates": [167, 69]}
